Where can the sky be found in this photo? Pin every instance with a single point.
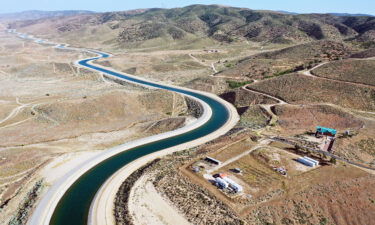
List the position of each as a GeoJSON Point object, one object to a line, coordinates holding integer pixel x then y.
{"type": "Point", "coordinates": [299, 6]}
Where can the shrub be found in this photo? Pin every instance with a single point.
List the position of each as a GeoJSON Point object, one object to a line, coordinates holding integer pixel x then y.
{"type": "Point", "coordinates": [236, 84]}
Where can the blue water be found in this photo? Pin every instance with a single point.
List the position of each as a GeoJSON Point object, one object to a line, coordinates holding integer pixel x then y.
{"type": "Point", "coordinates": [74, 206]}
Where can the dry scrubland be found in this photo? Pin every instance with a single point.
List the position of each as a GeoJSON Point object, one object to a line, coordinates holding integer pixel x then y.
{"type": "Point", "coordinates": [298, 119]}
{"type": "Point", "coordinates": [300, 89]}
{"type": "Point", "coordinates": [189, 68]}
{"type": "Point", "coordinates": [329, 194]}
{"type": "Point", "coordinates": [199, 25]}
{"type": "Point", "coordinates": [216, 49]}
{"type": "Point", "coordinates": [50, 111]}
{"type": "Point", "coordinates": [369, 53]}
{"type": "Point", "coordinates": [357, 71]}
{"type": "Point", "coordinates": [275, 63]}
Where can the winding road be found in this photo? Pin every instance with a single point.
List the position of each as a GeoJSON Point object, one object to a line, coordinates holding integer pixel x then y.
{"type": "Point", "coordinates": [310, 74]}
{"type": "Point", "coordinates": [69, 200]}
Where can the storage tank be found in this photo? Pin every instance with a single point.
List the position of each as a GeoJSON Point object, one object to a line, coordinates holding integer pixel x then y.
{"type": "Point", "coordinates": [306, 162]}
{"type": "Point", "coordinates": [236, 187]}
{"type": "Point", "coordinates": [316, 163]}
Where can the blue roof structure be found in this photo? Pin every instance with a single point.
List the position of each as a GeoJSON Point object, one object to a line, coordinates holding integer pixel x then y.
{"type": "Point", "coordinates": [326, 131]}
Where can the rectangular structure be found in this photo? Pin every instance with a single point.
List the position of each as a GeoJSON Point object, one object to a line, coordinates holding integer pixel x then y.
{"type": "Point", "coordinates": [306, 162]}
{"type": "Point", "coordinates": [212, 160]}
{"type": "Point", "coordinates": [316, 163]}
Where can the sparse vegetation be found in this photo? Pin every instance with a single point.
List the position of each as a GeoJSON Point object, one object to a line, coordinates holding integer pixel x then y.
{"type": "Point", "coordinates": [229, 65]}
{"type": "Point", "coordinates": [295, 88]}
{"type": "Point", "coordinates": [300, 197]}
{"type": "Point", "coordinates": [213, 23]}
{"type": "Point", "coordinates": [236, 84]}
{"type": "Point", "coordinates": [283, 72]}
{"type": "Point", "coordinates": [287, 60]}
{"type": "Point", "coordinates": [253, 117]}
{"type": "Point", "coordinates": [367, 145]}
{"type": "Point", "coordinates": [357, 71]}
{"type": "Point", "coordinates": [27, 204]}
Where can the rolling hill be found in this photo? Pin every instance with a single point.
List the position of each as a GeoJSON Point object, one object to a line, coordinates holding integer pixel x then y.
{"type": "Point", "coordinates": [219, 23]}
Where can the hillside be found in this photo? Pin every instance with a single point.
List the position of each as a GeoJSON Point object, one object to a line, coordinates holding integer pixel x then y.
{"type": "Point", "coordinates": [364, 54]}
{"type": "Point", "coordinates": [357, 71]}
{"type": "Point", "coordinates": [219, 23]}
{"type": "Point", "coordinates": [285, 73]}
{"type": "Point", "coordinates": [300, 89]}
{"type": "Point", "coordinates": [274, 63]}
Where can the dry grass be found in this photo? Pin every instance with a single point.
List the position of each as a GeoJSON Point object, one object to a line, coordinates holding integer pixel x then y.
{"type": "Point", "coordinates": [357, 71]}
{"type": "Point", "coordinates": [299, 89]}
{"type": "Point", "coordinates": [232, 150]}
{"type": "Point", "coordinates": [69, 110]}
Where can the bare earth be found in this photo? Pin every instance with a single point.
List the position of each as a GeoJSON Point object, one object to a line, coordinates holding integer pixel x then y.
{"type": "Point", "coordinates": [53, 116]}
{"type": "Point", "coordinates": [148, 207]}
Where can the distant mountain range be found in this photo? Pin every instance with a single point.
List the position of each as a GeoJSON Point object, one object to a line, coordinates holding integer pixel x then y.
{"type": "Point", "coordinates": [36, 14]}
{"type": "Point", "coordinates": [219, 23]}
{"type": "Point", "coordinates": [349, 14]}
{"type": "Point", "coordinates": [334, 14]}
{"type": "Point", "coordinates": [39, 14]}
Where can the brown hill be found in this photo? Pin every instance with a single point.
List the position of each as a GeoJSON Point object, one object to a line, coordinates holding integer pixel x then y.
{"type": "Point", "coordinates": [220, 23]}
{"type": "Point", "coordinates": [356, 71]}
{"type": "Point", "coordinates": [364, 54]}
{"type": "Point", "coordinates": [296, 119]}
{"type": "Point", "coordinates": [287, 60]}
{"type": "Point", "coordinates": [300, 89]}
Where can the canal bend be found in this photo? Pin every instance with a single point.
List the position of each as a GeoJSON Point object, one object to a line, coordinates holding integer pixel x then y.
{"type": "Point", "coordinates": [73, 207]}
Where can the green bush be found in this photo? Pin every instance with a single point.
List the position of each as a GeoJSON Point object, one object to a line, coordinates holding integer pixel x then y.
{"type": "Point", "coordinates": [235, 84]}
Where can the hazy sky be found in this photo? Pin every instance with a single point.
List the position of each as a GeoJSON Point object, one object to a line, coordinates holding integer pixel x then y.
{"type": "Point", "coordinates": [300, 6]}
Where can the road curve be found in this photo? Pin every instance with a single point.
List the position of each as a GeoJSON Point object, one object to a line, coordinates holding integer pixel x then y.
{"type": "Point", "coordinates": [68, 201]}
{"type": "Point", "coordinates": [310, 73]}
